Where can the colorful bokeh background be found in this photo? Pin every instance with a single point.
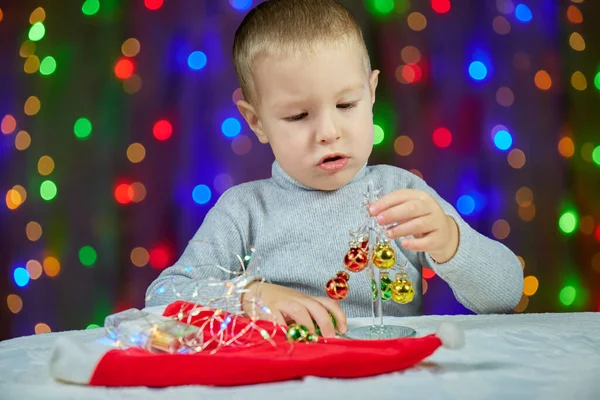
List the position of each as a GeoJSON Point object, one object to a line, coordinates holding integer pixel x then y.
{"type": "Point", "coordinates": [119, 132]}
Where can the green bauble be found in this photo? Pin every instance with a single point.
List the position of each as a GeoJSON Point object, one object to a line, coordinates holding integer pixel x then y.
{"type": "Point", "coordinates": [297, 333]}
{"type": "Point", "coordinates": [386, 287]}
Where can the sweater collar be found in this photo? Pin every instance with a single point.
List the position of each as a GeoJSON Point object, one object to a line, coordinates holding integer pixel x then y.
{"type": "Point", "coordinates": [282, 179]}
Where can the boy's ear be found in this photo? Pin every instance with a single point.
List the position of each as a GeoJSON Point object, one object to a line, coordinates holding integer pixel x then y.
{"type": "Point", "coordinates": [373, 84]}
{"type": "Point", "coordinates": [251, 117]}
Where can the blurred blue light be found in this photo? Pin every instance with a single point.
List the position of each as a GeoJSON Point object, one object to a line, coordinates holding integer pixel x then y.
{"type": "Point", "coordinates": [478, 70]}
{"type": "Point", "coordinates": [201, 194]}
{"type": "Point", "coordinates": [503, 140]}
{"type": "Point", "coordinates": [465, 204]}
{"type": "Point", "coordinates": [523, 13]}
{"type": "Point", "coordinates": [21, 276]}
{"type": "Point", "coordinates": [197, 60]}
{"type": "Point", "coordinates": [241, 4]}
{"type": "Point", "coordinates": [231, 127]}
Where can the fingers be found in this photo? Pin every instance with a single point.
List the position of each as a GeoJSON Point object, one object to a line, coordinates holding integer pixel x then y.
{"type": "Point", "coordinates": [298, 312]}
{"type": "Point", "coordinates": [264, 313]}
{"type": "Point", "coordinates": [421, 227]}
{"type": "Point", "coordinates": [287, 305]}
{"type": "Point", "coordinates": [395, 198]}
{"type": "Point", "coordinates": [404, 212]}
{"type": "Point", "coordinates": [418, 245]}
{"type": "Point", "coordinates": [278, 317]}
{"type": "Point", "coordinates": [334, 308]}
{"type": "Point", "coordinates": [304, 310]}
{"type": "Point", "coordinates": [321, 317]}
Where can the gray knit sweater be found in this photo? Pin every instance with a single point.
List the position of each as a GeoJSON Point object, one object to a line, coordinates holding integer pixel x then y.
{"type": "Point", "coordinates": [301, 236]}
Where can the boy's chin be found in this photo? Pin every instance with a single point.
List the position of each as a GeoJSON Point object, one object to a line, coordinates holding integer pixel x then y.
{"type": "Point", "coordinates": [332, 182]}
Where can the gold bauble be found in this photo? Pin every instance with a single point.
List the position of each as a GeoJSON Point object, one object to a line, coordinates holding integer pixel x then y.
{"type": "Point", "coordinates": [403, 290]}
{"type": "Point", "coordinates": [384, 256]}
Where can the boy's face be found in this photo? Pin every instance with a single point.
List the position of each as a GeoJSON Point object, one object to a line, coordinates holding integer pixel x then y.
{"type": "Point", "coordinates": [316, 113]}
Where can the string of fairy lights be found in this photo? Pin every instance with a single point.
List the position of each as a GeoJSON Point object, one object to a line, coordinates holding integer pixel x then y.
{"type": "Point", "coordinates": [36, 61]}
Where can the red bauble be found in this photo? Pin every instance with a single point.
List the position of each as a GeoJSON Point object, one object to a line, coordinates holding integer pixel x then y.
{"type": "Point", "coordinates": [337, 287]}
{"type": "Point", "coordinates": [356, 259]}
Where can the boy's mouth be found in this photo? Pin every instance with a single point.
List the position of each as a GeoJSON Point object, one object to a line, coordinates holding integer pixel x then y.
{"type": "Point", "coordinates": [331, 158]}
{"type": "Point", "coordinates": [333, 162]}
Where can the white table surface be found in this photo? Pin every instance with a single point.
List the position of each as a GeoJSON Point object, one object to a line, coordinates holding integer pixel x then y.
{"type": "Point", "coordinates": [523, 356]}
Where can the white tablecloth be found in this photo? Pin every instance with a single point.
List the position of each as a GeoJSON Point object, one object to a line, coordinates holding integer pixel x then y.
{"type": "Point", "coordinates": [525, 356]}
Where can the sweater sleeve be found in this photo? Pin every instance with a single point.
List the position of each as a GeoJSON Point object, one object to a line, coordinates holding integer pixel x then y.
{"type": "Point", "coordinates": [485, 276]}
{"type": "Point", "coordinates": [209, 270]}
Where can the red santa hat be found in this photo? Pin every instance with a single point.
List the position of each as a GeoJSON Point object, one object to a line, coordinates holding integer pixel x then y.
{"type": "Point", "coordinates": [98, 364]}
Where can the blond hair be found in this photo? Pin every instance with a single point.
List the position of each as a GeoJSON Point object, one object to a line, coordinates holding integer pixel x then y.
{"type": "Point", "coordinates": [282, 28]}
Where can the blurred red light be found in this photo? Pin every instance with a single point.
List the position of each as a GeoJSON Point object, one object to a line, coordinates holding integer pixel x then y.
{"type": "Point", "coordinates": [162, 130]}
{"type": "Point", "coordinates": [153, 4]}
{"type": "Point", "coordinates": [124, 68]}
{"type": "Point", "coordinates": [160, 257]}
{"type": "Point", "coordinates": [124, 193]}
{"type": "Point", "coordinates": [440, 6]}
{"type": "Point", "coordinates": [442, 137]}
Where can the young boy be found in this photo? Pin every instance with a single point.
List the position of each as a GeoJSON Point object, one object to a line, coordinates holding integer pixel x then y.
{"type": "Point", "coordinates": [309, 90]}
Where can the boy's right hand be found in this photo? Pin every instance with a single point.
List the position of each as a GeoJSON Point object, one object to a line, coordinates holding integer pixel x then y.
{"type": "Point", "coordinates": [288, 305]}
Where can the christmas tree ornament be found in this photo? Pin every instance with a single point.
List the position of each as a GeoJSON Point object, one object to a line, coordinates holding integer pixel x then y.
{"type": "Point", "coordinates": [363, 243]}
{"type": "Point", "coordinates": [402, 289]}
{"type": "Point", "coordinates": [384, 256]}
{"type": "Point", "coordinates": [371, 251]}
{"type": "Point", "coordinates": [299, 334]}
{"type": "Point", "coordinates": [356, 259]}
{"type": "Point", "coordinates": [337, 287]}
{"type": "Point", "coordinates": [386, 287]}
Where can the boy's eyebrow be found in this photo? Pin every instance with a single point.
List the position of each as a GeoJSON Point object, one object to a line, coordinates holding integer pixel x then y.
{"type": "Point", "coordinates": [292, 103]}
{"type": "Point", "coordinates": [354, 88]}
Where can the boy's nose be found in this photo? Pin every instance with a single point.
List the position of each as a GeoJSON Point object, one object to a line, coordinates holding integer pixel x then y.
{"type": "Point", "coordinates": [327, 131]}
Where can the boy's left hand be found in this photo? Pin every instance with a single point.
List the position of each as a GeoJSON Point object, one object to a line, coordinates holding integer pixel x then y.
{"type": "Point", "coordinates": [418, 214]}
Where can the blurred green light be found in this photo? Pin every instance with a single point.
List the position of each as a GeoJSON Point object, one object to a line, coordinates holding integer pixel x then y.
{"type": "Point", "coordinates": [48, 190]}
{"type": "Point", "coordinates": [596, 156]}
{"type": "Point", "coordinates": [37, 31]}
{"type": "Point", "coordinates": [48, 65]}
{"type": "Point", "coordinates": [597, 80]}
{"type": "Point", "coordinates": [383, 6]}
{"type": "Point", "coordinates": [567, 295]}
{"type": "Point", "coordinates": [90, 7]}
{"type": "Point", "coordinates": [378, 134]}
{"type": "Point", "coordinates": [92, 326]}
{"type": "Point", "coordinates": [82, 128]}
{"type": "Point", "coordinates": [568, 222]}
{"type": "Point", "coordinates": [384, 121]}
{"type": "Point", "coordinates": [88, 256]}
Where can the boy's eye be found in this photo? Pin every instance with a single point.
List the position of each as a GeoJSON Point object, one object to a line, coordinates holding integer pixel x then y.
{"type": "Point", "coordinates": [345, 106]}
{"type": "Point", "coordinates": [295, 118]}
